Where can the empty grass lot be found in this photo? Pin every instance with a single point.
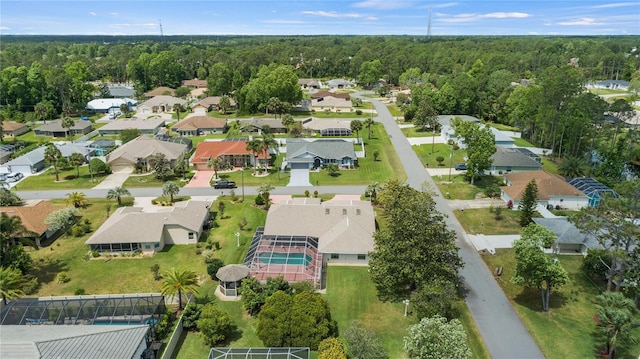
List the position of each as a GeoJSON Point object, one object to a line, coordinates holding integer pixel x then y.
{"type": "Point", "coordinates": [460, 188]}
{"type": "Point", "coordinates": [68, 180]}
{"type": "Point", "coordinates": [418, 132]}
{"type": "Point", "coordinates": [481, 220]}
{"type": "Point", "coordinates": [428, 158]}
{"type": "Point", "coordinates": [567, 330]}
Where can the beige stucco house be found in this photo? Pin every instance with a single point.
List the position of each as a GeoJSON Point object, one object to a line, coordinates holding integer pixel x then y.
{"type": "Point", "coordinates": [126, 156]}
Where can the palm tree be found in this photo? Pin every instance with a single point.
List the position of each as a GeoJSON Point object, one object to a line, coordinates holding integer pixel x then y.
{"type": "Point", "coordinates": [255, 146]}
{"type": "Point", "coordinates": [356, 126]}
{"type": "Point", "coordinates": [117, 193]}
{"type": "Point", "coordinates": [265, 191]}
{"type": "Point", "coordinates": [368, 123]}
{"type": "Point", "coordinates": [76, 199]}
{"type": "Point", "coordinates": [224, 104]}
{"type": "Point", "coordinates": [10, 284]}
{"type": "Point", "coordinates": [267, 143]}
{"type": "Point", "coordinates": [52, 155]}
{"type": "Point", "coordinates": [76, 160]}
{"type": "Point", "coordinates": [67, 123]}
{"type": "Point", "coordinates": [616, 319]}
{"type": "Point", "coordinates": [572, 167]}
{"type": "Point", "coordinates": [13, 231]}
{"type": "Point", "coordinates": [177, 108]}
{"type": "Point", "coordinates": [180, 282]}
{"type": "Point", "coordinates": [372, 190]}
{"type": "Point", "coordinates": [170, 189]}
{"type": "Point", "coordinates": [215, 163]}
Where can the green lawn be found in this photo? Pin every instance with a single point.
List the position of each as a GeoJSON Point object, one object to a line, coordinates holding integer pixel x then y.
{"type": "Point", "coordinates": [395, 111]}
{"type": "Point", "coordinates": [417, 132]}
{"type": "Point", "coordinates": [461, 188]}
{"type": "Point", "coordinates": [521, 142]}
{"type": "Point", "coordinates": [566, 331]}
{"type": "Point", "coordinates": [68, 180]}
{"type": "Point", "coordinates": [327, 114]}
{"type": "Point", "coordinates": [502, 127]}
{"type": "Point", "coordinates": [428, 158]}
{"type": "Point", "coordinates": [387, 166]}
{"type": "Point", "coordinates": [149, 180]}
{"type": "Point", "coordinates": [481, 220]}
{"type": "Point", "coordinates": [549, 165]}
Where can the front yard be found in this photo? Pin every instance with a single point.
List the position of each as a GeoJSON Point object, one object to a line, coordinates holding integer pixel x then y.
{"type": "Point", "coordinates": [481, 220]}
{"type": "Point", "coordinates": [46, 180]}
{"type": "Point", "coordinates": [460, 188]}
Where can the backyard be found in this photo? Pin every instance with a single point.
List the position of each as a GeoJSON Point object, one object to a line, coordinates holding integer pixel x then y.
{"type": "Point", "coordinates": [567, 330]}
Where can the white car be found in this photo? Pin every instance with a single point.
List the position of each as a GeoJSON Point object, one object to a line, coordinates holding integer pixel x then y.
{"type": "Point", "coordinates": [14, 177]}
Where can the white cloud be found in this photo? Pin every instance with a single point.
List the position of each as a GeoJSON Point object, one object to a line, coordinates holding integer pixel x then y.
{"type": "Point", "coordinates": [383, 4]}
{"type": "Point", "coordinates": [294, 22]}
{"type": "Point", "coordinates": [620, 4]}
{"type": "Point", "coordinates": [444, 5]}
{"type": "Point", "coordinates": [125, 25]}
{"type": "Point", "coordinates": [92, 13]}
{"type": "Point", "coordinates": [4, 28]}
{"type": "Point", "coordinates": [585, 21]}
{"type": "Point", "coordinates": [336, 15]}
{"type": "Point", "coordinates": [114, 14]}
{"type": "Point", "coordinates": [474, 17]}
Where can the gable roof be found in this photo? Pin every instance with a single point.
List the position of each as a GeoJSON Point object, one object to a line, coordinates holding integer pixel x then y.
{"type": "Point", "coordinates": [507, 157]}
{"type": "Point", "coordinates": [145, 146]}
{"type": "Point", "coordinates": [33, 216]}
{"type": "Point", "coordinates": [566, 231]}
{"type": "Point", "coordinates": [194, 83]}
{"type": "Point", "coordinates": [304, 150]}
{"type": "Point", "coordinates": [163, 100]}
{"type": "Point", "coordinates": [10, 126]}
{"type": "Point", "coordinates": [198, 122]}
{"type": "Point", "coordinates": [133, 225]}
{"type": "Point", "coordinates": [158, 91]}
{"type": "Point", "coordinates": [56, 126]}
{"type": "Point", "coordinates": [340, 226]}
{"type": "Point", "coordinates": [274, 123]}
{"type": "Point", "coordinates": [213, 149]}
{"type": "Point", "coordinates": [549, 184]}
{"type": "Point", "coordinates": [133, 123]}
{"type": "Point", "coordinates": [213, 101]}
{"type": "Point", "coordinates": [321, 94]}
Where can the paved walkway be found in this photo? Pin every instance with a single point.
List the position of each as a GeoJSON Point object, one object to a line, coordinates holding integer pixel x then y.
{"type": "Point", "coordinates": [504, 334]}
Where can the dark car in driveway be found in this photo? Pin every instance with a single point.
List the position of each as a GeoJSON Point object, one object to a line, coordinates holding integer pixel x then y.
{"type": "Point", "coordinates": [224, 184]}
{"type": "Point", "coordinates": [461, 166]}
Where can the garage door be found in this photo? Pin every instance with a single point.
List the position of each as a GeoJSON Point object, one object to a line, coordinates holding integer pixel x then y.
{"type": "Point", "coordinates": [299, 175]}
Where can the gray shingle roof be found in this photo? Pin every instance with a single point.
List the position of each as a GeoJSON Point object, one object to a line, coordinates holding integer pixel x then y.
{"type": "Point", "coordinates": [37, 155]}
{"type": "Point", "coordinates": [305, 150]}
{"type": "Point", "coordinates": [505, 157]}
{"type": "Point", "coordinates": [56, 126]}
{"type": "Point", "coordinates": [133, 122]}
{"type": "Point", "coordinates": [566, 231]}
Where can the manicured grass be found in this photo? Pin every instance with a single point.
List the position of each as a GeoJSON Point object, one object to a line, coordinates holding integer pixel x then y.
{"type": "Point", "coordinates": [600, 91]}
{"type": "Point", "coordinates": [395, 111]}
{"type": "Point", "coordinates": [274, 178]}
{"type": "Point", "coordinates": [149, 180]}
{"type": "Point", "coordinates": [521, 142]}
{"type": "Point", "coordinates": [387, 166]}
{"type": "Point", "coordinates": [418, 132]}
{"type": "Point", "coordinates": [461, 188]}
{"type": "Point", "coordinates": [197, 139]}
{"type": "Point", "coordinates": [324, 114]}
{"type": "Point", "coordinates": [68, 180]}
{"type": "Point", "coordinates": [566, 331]}
{"type": "Point", "coordinates": [502, 127]}
{"type": "Point", "coordinates": [481, 220]}
{"type": "Point", "coordinates": [441, 149]}
{"type": "Point", "coordinates": [549, 165]}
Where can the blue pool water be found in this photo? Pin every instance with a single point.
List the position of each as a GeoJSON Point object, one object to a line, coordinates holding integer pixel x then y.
{"type": "Point", "coordinates": [283, 258]}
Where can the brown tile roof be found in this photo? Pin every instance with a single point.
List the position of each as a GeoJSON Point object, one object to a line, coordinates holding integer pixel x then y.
{"type": "Point", "coordinates": [221, 148]}
{"type": "Point", "coordinates": [9, 126]}
{"type": "Point", "coordinates": [197, 122]}
{"type": "Point", "coordinates": [549, 184]}
{"type": "Point", "coordinates": [194, 83]}
{"type": "Point", "coordinates": [213, 101]}
{"type": "Point", "coordinates": [32, 217]}
{"type": "Point", "coordinates": [321, 94]}
{"type": "Point", "coordinates": [160, 91]}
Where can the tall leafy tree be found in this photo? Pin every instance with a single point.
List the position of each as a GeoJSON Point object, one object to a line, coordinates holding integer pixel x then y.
{"type": "Point", "coordinates": [11, 280]}
{"type": "Point", "coordinates": [271, 81]}
{"type": "Point", "coordinates": [436, 338]}
{"type": "Point", "coordinates": [13, 237]}
{"type": "Point", "coordinates": [180, 282]}
{"type": "Point", "coordinates": [220, 80]}
{"type": "Point", "coordinates": [160, 165]}
{"type": "Point", "coordinates": [370, 72]}
{"type": "Point", "coordinates": [76, 160]}
{"type": "Point", "coordinates": [224, 104]}
{"type": "Point", "coordinates": [8, 198]}
{"type": "Point", "coordinates": [534, 268]}
{"type": "Point", "coordinates": [363, 343]}
{"type": "Point", "coordinates": [67, 123]}
{"type": "Point", "coordinates": [481, 145]}
{"type": "Point", "coordinates": [117, 193]}
{"type": "Point", "coordinates": [53, 155]}
{"type": "Point", "coordinates": [425, 116]}
{"type": "Point", "coordinates": [62, 219]}
{"type": "Point", "coordinates": [44, 111]}
{"type": "Point", "coordinates": [170, 189]}
{"type": "Point", "coordinates": [528, 203]}
{"type": "Point", "coordinates": [214, 324]}
{"type": "Point", "coordinates": [616, 320]}
{"type": "Point", "coordinates": [416, 249]}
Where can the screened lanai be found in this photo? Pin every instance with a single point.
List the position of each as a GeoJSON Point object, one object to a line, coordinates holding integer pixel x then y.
{"type": "Point", "coordinates": [123, 309]}
{"type": "Point", "coordinates": [259, 353]}
{"type": "Point", "coordinates": [295, 258]}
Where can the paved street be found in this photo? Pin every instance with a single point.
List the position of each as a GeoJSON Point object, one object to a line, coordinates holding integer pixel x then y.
{"type": "Point", "coordinates": [504, 334]}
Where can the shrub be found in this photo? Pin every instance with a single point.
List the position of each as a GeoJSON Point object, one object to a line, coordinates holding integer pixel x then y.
{"type": "Point", "coordinates": [497, 213]}
{"type": "Point", "coordinates": [163, 325]}
{"type": "Point", "coordinates": [80, 291]}
{"type": "Point", "coordinates": [155, 269]}
{"type": "Point", "coordinates": [440, 159]}
{"type": "Point", "coordinates": [306, 193]}
{"type": "Point", "coordinates": [593, 263]}
{"type": "Point", "coordinates": [77, 231]}
{"type": "Point", "coordinates": [315, 194]}
{"type": "Point", "coordinates": [30, 286]}
{"type": "Point", "coordinates": [259, 201]}
{"type": "Point", "coordinates": [358, 112]}
{"type": "Point", "coordinates": [62, 277]}
{"type": "Point", "coordinates": [95, 254]}
{"type": "Point", "coordinates": [214, 324]}
{"type": "Point", "coordinates": [213, 266]}
{"type": "Point", "coordinates": [191, 315]}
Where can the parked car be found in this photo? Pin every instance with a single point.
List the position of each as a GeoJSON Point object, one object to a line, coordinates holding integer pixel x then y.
{"type": "Point", "coordinates": [3, 176]}
{"type": "Point", "coordinates": [224, 184]}
{"type": "Point", "coordinates": [461, 166]}
{"type": "Point", "coordinates": [14, 177]}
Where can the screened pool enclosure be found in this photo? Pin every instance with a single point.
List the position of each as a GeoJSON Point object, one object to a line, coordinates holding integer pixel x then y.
{"type": "Point", "coordinates": [259, 353]}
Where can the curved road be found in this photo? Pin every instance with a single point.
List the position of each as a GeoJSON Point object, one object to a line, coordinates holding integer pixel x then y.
{"type": "Point", "coordinates": [504, 334]}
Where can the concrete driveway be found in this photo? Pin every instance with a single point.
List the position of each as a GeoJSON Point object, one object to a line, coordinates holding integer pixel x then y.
{"type": "Point", "coordinates": [299, 176]}
{"type": "Point", "coordinates": [115, 179]}
{"type": "Point", "coordinates": [201, 179]}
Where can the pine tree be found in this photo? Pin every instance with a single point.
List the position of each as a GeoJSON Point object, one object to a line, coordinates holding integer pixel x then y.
{"type": "Point", "coordinates": [528, 203]}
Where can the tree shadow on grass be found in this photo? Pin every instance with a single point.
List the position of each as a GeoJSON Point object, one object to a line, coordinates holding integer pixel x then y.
{"type": "Point", "coordinates": [532, 299]}
{"type": "Point", "coordinates": [46, 270]}
{"type": "Point", "coordinates": [235, 334]}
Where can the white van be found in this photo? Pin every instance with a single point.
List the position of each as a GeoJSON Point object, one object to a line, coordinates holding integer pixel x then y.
{"type": "Point", "coordinates": [14, 177]}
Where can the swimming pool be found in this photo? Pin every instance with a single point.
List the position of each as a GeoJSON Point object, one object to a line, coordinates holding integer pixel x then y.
{"type": "Point", "coordinates": [284, 258]}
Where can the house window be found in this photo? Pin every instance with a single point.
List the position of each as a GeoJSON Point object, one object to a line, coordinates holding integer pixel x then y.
{"type": "Point", "coordinates": [147, 246]}
{"type": "Point", "coordinates": [357, 211]}
{"type": "Point", "coordinates": [335, 256]}
{"type": "Point", "coordinates": [344, 211]}
{"type": "Point", "coordinates": [326, 211]}
{"type": "Point", "coordinates": [362, 257]}
{"type": "Point", "coordinates": [191, 235]}
{"type": "Point", "coordinates": [156, 245]}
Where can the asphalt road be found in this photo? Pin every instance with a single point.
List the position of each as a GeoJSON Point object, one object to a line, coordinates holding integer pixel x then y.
{"type": "Point", "coordinates": [504, 334]}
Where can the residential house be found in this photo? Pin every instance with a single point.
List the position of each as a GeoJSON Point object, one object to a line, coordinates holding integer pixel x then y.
{"type": "Point", "coordinates": [258, 124]}
{"type": "Point", "coordinates": [234, 153]}
{"type": "Point", "coordinates": [127, 156]}
{"type": "Point", "coordinates": [303, 235]}
{"type": "Point", "coordinates": [309, 84]}
{"type": "Point", "coordinates": [194, 83]}
{"type": "Point", "coordinates": [200, 125]}
{"type": "Point", "coordinates": [197, 93]}
{"type": "Point", "coordinates": [13, 129]}
{"type": "Point", "coordinates": [5, 156]}
{"type": "Point", "coordinates": [447, 132]}
{"type": "Point", "coordinates": [336, 84]}
{"type": "Point", "coordinates": [322, 94]}
{"type": "Point", "coordinates": [553, 190]}
{"type": "Point", "coordinates": [149, 126]}
{"type": "Point", "coordinates": [570, 239]}
{"type": "Point", "coordinates": [209, 104]}
{"type": "Point", "coordinates": [508, 160]}
{"type": "Point", "coordinates": [501, 139]}
{"type": "Point", "coordinates": [33, 162]}
{"type": "Point", "coordinates": [109, 105]}
{"type": "Point", "coordinates": [328, 127]}
{"type": "Point", "coordinates": [121, 91]}
{"type": "Point", "coordinates": [54, 128]}
{"type": "Point", "coordinates": [32, 216]}
{"type": "Point", "coordinates": [132, 229]}
{"type": "Point", "coordinates": [332, 104]}
{"type": "Point", "coordinates": [315, 153]}
{"type": "Point", "coordinates": [160, 104]}
{"type": "Point", "coordinates": [595, 190]}
{"type": "Point", "coordinates": [160, 91]}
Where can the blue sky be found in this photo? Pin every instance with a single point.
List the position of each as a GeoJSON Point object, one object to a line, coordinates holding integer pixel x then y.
{"type": "Point", "coordinates": [343, 17]}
